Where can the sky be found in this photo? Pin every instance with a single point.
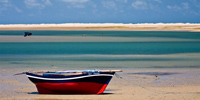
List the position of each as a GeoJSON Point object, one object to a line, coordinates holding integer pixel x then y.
{"type": "Point", "coordinates": [99, 11]}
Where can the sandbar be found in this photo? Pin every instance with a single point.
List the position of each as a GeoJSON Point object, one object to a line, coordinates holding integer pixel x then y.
{"type": "Point", "coordinates": [106, 26]}
{"type": "Point", "coordinates": [15, 38]}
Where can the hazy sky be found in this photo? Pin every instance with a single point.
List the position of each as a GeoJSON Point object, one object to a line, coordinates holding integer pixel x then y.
{"type": "Point", "coordinates": [99, 11]}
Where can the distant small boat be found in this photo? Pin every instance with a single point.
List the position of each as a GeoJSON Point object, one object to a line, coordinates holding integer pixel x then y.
{"type": "Point", "coordinates": [27, 34]}
{"type": "Point", "coordinates": [72, 82]}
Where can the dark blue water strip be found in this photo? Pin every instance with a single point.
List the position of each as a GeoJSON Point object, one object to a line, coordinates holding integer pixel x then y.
{"type": "Point", "coordinates": [166, 34]}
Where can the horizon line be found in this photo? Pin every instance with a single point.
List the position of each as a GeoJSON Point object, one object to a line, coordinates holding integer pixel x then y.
{"type": "Point", "coordinates": [101, 24]}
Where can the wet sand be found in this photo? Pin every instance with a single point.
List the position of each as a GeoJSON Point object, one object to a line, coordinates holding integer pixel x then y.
{"type": "Point", "coordinates": [13, 38]}
{"type": "Point", "coordinates": [138, 84]}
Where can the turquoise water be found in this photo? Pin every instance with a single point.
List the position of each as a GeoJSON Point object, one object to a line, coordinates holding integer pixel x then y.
{"type": "Point", "coordinates": [157, 54]}
{"type": "Point", "coordinates": [103, 48]}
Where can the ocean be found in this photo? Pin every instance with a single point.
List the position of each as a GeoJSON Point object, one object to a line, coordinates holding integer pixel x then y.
{"type": "Point", "coordinates": [97, 55]}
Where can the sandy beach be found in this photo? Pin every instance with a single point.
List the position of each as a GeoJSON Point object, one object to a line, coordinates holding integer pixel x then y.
{"type": "Point", "coordinates": [155, 42]}
{"type": "Point", "coordinates": [106, 26]}
{"type": "Point", "coordinates": [176, 79]}
{"type": "Point", "coordinates": [138, 84]}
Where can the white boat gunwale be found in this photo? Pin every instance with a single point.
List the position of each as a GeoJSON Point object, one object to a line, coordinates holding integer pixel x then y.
{"type": "Point", "coordinates": [71, 78]}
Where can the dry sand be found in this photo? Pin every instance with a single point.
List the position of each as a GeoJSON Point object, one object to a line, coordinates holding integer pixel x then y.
{"type": "Point", "coordinates": [106, 26]}
{"type": "Point", "coordinates": [137, 84]}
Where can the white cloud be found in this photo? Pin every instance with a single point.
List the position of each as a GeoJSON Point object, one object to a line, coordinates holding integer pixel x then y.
{"type": "Point", "coordinates": [140, 5]}
{"type": "Point", "coordinates": [33, 4]}
{"type": "Point", "coordinates": [47, 2]}
{"type": "Point", "coordinates": [75, 1]}
{"type": "Point", "coordinates": [4, 1]}
{"type": "Point", "coordinates": [6, 5]}
{"type": "Point", "coordinates": [146, 4]}
{"type": "Point", "coordinates": [18, 10]}
{"type": "Point", "coordinates": [78, 5]}
{"type": "Point", "coordinates": [123, 1]}
{"type": "Point", "coordinates": [183, 6]}
{"type": "Point", "coordinates": [174, 7]}
{"type": "Point", "coordinates": [37, 3]}
{"type": "Point", "coordinates": [109, 4]}
{"type": "Point", "coordinates": [159, 1]}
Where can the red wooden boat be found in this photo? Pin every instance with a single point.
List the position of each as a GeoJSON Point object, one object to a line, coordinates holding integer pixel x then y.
{"type": "Point", "coordinates": [72, 82]}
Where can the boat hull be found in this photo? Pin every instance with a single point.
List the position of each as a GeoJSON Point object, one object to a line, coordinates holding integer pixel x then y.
{"type": "Point", "coordinates": [71, 88]}
{"type": "Point", "coordinates": [78, 84]}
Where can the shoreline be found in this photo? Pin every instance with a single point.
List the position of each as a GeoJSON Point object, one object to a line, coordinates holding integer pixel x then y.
{"type": "Point", "coordinates": [105, 27]}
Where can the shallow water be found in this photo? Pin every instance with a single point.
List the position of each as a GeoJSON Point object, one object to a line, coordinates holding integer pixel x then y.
{"type": "Point", "coordinates": [97, 55]}
{"type": "Point", "coordinates": [104, 48]}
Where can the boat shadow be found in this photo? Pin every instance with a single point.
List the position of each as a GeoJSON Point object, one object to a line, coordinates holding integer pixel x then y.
{"type": "Point", "coordinates": [33, 93]}
{"type": "Point", "coordinates": [106, 94]}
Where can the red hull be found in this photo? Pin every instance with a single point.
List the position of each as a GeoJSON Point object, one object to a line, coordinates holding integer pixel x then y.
{"type": "Point", "coordinates": [71, 88]}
